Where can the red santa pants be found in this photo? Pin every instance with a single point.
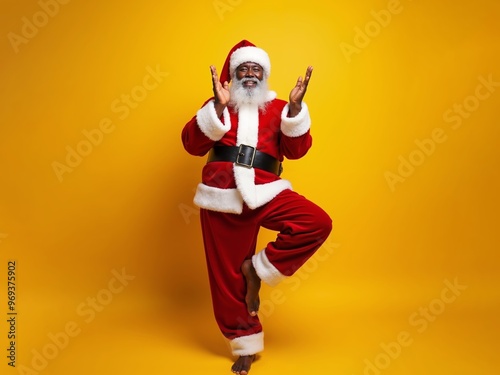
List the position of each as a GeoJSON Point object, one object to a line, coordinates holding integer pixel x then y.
{"type": "Point", "coordinates": [230, 239]}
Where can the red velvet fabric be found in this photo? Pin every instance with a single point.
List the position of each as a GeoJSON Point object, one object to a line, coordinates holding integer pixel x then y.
{"type": "Point", "coordinates": [271, 141]}
{"type": "Point", "coordinates": [229, 239]}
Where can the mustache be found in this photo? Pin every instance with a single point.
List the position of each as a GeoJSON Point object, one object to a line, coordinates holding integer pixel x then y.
{"type": "Point", "coordinates": [245, 79]}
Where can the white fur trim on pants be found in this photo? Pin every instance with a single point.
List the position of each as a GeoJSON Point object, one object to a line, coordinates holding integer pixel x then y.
{"type": "Point", "coordinates": [247, 345]}
{"type": "Point", "coordinates": [266, 270]}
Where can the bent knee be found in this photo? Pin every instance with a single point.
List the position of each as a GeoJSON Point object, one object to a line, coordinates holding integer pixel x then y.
{"type": "Point", "coordinates": [325, 224]}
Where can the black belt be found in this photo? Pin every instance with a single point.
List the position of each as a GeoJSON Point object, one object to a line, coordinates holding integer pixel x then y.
{"type": "Point", "coordinates": [246, 156]}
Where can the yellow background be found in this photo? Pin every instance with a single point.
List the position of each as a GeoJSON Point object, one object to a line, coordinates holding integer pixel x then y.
{"type": "Point", "coordinates": [127, 205]}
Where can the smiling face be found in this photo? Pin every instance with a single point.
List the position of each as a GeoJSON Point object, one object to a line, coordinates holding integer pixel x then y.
{"type": "Point", "coordinates": [250, 74]}
{"type": "Point", "coordinates": [249, 86]}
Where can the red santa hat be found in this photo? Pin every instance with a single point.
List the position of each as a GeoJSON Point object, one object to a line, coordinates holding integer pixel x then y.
{"type": "Point", "coordinates": [242, 52]}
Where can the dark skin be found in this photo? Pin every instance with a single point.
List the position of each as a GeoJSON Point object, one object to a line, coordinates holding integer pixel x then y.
{"type": "Point", "coordinates": [221, 100]}
{"type": "Point", "coordinates": [252, 70]}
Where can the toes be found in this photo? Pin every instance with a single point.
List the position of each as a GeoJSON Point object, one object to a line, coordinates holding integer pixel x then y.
{"type": "Point", "coordinates": [236, 367]}
{"type": "Point", "coordinates": [253, 303]}
{"type": "Point", "coordinates": [253, 287]}
{"type": "Point", "coordinates": [252, 306]}
{"type": "Point", "coordinates": [242, 365]}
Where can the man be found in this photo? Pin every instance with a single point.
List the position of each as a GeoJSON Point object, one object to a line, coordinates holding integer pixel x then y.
{"type": "Point", "coordinates": [247, 133]}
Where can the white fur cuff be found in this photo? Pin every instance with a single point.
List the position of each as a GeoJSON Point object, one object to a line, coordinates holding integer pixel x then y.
{"type": "Point", "coordinates": [247, 345]}
{"type": "Point", "coordinates": [210, 124]}
{"type": "Point", "coordinates": [266, 270]}
{"type": "Point", "coordinates": [295, 126]}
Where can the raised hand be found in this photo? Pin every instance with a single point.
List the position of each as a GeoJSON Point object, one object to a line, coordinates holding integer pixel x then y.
{"type": "Point", "coordinates": [221, 92]}
{"type": "Point", "coordinates": [298, 92]}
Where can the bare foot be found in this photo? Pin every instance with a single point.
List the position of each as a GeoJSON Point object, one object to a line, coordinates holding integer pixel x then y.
{"type": "Point", "coordinates": [253, 286]}
{"type": "Point", "coordinates": [242, 364]}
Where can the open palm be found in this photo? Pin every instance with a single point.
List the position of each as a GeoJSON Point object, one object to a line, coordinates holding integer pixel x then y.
{"type": "Point", "coordinates": [298, 92]}
{"type": "Point", "coordinates": [221, 91]}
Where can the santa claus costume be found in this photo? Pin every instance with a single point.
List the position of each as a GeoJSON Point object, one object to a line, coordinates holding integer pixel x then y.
{"type": "Point", "coordinates": [241, 191]}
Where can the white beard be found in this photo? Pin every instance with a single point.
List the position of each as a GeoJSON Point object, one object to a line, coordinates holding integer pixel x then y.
{"type": "Point", "coordinates": [241, 95]}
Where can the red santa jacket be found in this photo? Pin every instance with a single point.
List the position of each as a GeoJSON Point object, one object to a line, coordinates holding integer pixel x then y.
{"type": "Point", "coordinates": [225, 186]}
